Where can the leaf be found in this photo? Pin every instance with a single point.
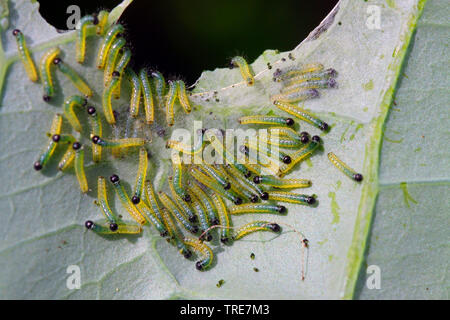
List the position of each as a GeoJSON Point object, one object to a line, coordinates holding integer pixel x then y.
{"type": "Point", "coordinates": [409, 240]}
{"type": "Point", "coordinates": [41, 227]}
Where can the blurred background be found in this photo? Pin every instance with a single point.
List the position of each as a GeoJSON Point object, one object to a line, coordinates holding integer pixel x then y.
{"type": "Point", "coordinates": [183, 38]}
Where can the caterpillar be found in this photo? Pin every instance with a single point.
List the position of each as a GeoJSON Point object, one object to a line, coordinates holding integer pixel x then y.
{"type": "Point", "coordinates": [69, 104]}
{"type": "Point", "coordinates": [135, 91]}
{"type": "Point", "coordinates": [267, 120]}
{"type": "Point", "coordinates": [203, 219]}
{"type": "Point", "coordinates": [120, 67]}
{"type": "Point", "coordinates": [79, 167]}
{"type": "Point", "coordinates": [257, 208]}
{"type": "Point", "coordinates": [280, 75]}
{"type": "Point", "coordinates": [55, 131]}
{"type": "Point", "coordinates": [108, 40]}
{"type": "Point", "coordinates": [207, 203]}
{"type": "Point", "coordinates": [224, 218]}
{"type": "Point", "coordinates": [111, 60]}
{"type": "Point", "coordinates": [141, 176]}
{"type": "Point", "coordinates": [121, 228]}
{"type": "Point", "coordinates": [152, 218]}
{"type": "Point", "coordinates": [96, 130]}
{"type": "Point", "coordinates": [282, 183]}
{"type": "Point", "coordinates": [295, 95]}
{"type": "Point", "coordinates": [77, 81]}
{"type": "Point", "coordinates": [125, 200]}
{"type": "Point", "coordinates": [46, 74]}
{"type": "Point", "coordinates": [208, 193]}
{"type": "Point", "coordinates": [204, 250]}
{"type": "Point", "coordinates": [291, 197]}
{"type": "Point", "coordinates": [173, 209]}
{"type": "Point", "coordinates": [68, 157]}
{"type": "Point", "coordinates": [119, 143]}
{"type": "Point", "coordinates": [349, 172]}
{"type": "Point", "coordinates": [102, 18]}
{"type": "Point", "coordinates": [25, 56]}
{"type": "Point", "coordinates": [107, 96]}
{"type": "Point", "coordinates": [170, 101]}
{"type": "Point", "coordinates": [244, 69]}
{"type": "Point", "coordinates": [102, 202]}
{"type": "Point", "coordinates": [254, 227]}
{"type": "Point", "coordinates": [160, 87]}
{"type": "Point", "coordinates": [80, 43]}
{"type": "Point", "coordinates": [183, 205]}
{"type": "Point", "coordinates": [301, 114]}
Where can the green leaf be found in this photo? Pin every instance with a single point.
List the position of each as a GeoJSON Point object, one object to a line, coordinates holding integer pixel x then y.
{"type": "Point", "coordinates": [409, 240]}
{"type": "Point", "coordinates": [42, 214]}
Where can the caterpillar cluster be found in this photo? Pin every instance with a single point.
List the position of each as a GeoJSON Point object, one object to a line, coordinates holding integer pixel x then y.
{"type": "Point", "coordinates": [203, 196]}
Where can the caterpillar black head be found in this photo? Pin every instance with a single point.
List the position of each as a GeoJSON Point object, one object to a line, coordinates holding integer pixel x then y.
{"type": "Point", "coordinates": [135, 199]}
{"type": "Point", "coordinates": [89, 224]}
{"type": "Point", "coordinates": [114, 179]}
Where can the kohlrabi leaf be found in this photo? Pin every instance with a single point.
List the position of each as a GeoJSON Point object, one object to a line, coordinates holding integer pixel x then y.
{"type": "Point", "coordinates": [409, 240]}
{"type": "Point", "coordinates": [42, 213]}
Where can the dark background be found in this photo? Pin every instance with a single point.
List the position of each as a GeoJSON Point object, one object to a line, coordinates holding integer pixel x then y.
{"type": "Point", "coordinates": [183, 38]}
